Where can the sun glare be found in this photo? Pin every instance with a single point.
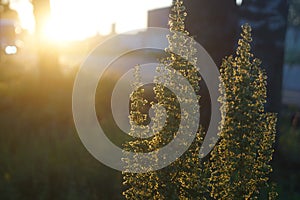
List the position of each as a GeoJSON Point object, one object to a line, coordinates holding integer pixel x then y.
{"type": "Point", "coordinates": [75, 20]}
{"type": "Point", "coordinates": [25, 10]}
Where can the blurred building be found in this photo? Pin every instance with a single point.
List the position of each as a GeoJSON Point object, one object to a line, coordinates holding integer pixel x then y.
{"type": "Point", "coordinates": [213, 24]}
{"type": "Point", "coordinates": [159, 17]}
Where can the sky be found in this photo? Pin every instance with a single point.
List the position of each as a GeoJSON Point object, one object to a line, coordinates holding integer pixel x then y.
{"type": "Point", "coordinates": [75, 20]}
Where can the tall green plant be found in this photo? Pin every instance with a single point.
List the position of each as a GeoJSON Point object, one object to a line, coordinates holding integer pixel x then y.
{"type": "Point", "coordinates": [186, 177]}
{"type": "Point", "coordinates": [138, 186]}
{"type": "Point", "coordinates": [239, 164]}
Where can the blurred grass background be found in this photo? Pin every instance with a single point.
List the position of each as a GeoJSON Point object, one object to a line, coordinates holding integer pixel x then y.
{"type": "Point", "coordinates": [41, 155]}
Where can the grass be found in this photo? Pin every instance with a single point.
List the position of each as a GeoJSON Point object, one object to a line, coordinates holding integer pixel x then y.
{"type": "Point", "coordinates": [41, 155]}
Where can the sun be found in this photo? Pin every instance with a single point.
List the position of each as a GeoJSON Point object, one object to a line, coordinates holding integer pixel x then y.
{"type": "Point", "coordinates": [78, 20]}
{"type": "Point", "coordinates": [71, 20]}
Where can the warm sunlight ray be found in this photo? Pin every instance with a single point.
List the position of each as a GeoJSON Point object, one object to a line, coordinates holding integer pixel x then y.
{"type": "Point", "coordinates": [75, 20]}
